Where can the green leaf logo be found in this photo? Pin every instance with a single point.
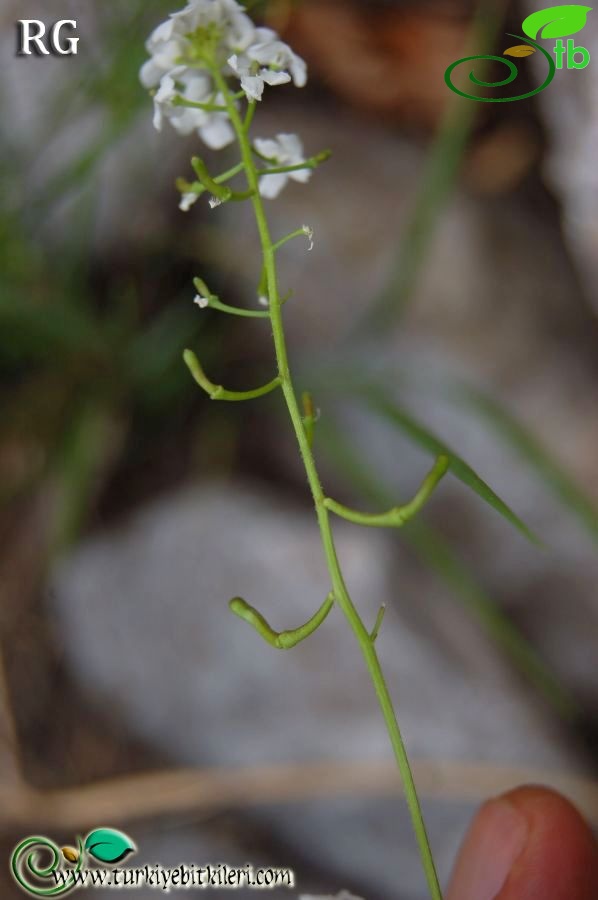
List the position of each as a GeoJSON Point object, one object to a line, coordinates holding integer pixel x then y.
{"type": "Point", "coordinates": [108, 845]}
{"type": "Point", "coordinates": [556, 21]}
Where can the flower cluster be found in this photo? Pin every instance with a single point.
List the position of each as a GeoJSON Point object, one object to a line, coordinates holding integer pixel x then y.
{"type": "Point", "coordinates": [194, 48]}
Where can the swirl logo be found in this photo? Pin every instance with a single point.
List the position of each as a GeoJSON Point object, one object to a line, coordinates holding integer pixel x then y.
{"type": "Point", "coordinates": [38, 864]}
{"type": "Point", "coordinates": [553, 22]}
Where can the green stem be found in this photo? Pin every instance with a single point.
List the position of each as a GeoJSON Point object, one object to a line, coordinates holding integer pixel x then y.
{"type": "Point", "coordinates": [312, 163]}
{"type": "Point", "coordinates": [179, 100]}
{"type": "Point", "coordinates": [341, 593]}
{"type": "Point", "coordinates": [215, 303]}
{"type": "Point", "coordinates": [300, 232]}
{"type": "Point", "coordinates": [378, 624]}
{"type": "Point", "coordinates": [216, 391]}
{"type": "Point", "coordinates": [282, 640]}
{"type": "Point", "coordinates": [309, 417]}
{"type": "Point", "coordinates": [398, 515]}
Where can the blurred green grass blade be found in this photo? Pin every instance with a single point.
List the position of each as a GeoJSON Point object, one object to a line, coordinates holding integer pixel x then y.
{"type": "Point", "coordinates": [379, 400]}
{"type": "Point", "coordinates": [39, 331]}
{"type": "Point", "coordinates": [437, 182]}
{"type": "Point", "coordinates": [89, 445]}
{"type": "Point", "coordinates": [438, 554]}
{"type": "Point", "coordinates": [517, 436]}
{"type": "Point", "coordinates": [152, 361]}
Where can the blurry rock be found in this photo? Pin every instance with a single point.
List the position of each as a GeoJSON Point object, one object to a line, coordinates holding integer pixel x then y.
{"type": "Point", "coordinates": [141, 616]}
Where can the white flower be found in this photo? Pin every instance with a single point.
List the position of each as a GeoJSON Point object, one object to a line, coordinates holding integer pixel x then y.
{"type": "Point", "coordinates": [279, 56]}
{"type": "Point", "coordinates": [214, 128]}
{"type": "Point", "coordinates": [267, 61]}
{"type": "Point", "coordinates": [201, 301]}
{"type": "Point", "coordinates": [285, 150]}
{"type": "Point", "coordinates": [184, 51]}
{"type": "Point", "coordinates": [171, 43]}
{"type": "Point", "coordinates": [253, 82]}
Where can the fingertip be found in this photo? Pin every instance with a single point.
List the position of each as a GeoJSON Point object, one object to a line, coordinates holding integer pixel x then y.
{"type": "Point", "coordinates": [529, 844]}
{"type": "Point", "coordinates": [560, 860]}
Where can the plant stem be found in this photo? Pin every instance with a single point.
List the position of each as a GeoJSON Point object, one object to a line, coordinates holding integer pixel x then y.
{"type": "Point", "coordinates": [341, 593]}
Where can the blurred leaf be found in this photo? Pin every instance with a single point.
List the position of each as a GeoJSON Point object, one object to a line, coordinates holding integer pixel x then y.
{"type": "Point", "coordinates": [380, 402]}
{"type": "Point", "coordinates": [520, 50]}
{"type": "Point", "coordinates": [438, 554]}
{"type": "Point", "coordinates": [530, 448]}
{"type": "Point", "coordinates": [152, 359]}
{"type": "Point", "coordinates": [89, 444]}
{"type": "Point", "coordinates": [40, 331]}
{"type": "Point", "coordinates": [556, 21]}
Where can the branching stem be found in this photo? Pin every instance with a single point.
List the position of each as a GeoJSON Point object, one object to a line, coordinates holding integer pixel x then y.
{"type": "Point", "coordinates": [364, 638]}
{"type": "Point", "coordinates": [216, 391]}
{"type": "Point", "coordinates": [398, 515]}
{"type": "Point", "coordinates": [282, 640]}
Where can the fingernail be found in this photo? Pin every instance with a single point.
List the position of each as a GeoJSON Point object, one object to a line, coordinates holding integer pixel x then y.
{"type": "Point", "coordinates": [497, 839]}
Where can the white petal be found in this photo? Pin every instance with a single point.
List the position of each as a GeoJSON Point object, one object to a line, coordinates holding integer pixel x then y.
{"type": "Point", "coordinates": [301, 175]}
{"type": "Point", "coordinates": [298, 69]}
{"type": "Point", "coordinates": [267, 147]}
{"type": "Point", "coordinates": [150, 73]}
{"type": "Point", "coordinates": [162, 100]}
{"type": "Point", "coordinates": [198, 87]}
{"type": "Point", "coordinates": [272, 185]}
{"type": "Point", "coordinates": [167, 90]}
{"type": "Point", "coordinates": [202, 302]}
{"type": "Point", "coordinates": [187, 201]}
{"type": "Point", "coordinates": [166, 55]}
{"type": "Point", "coordinates": [235, 64]}
{"type": "Point", "coordinates": [253, 86]}
{"type": "Point", "coordinates": [160, 35]}
{"type": "Point", "coordinates": [274, 78]}
{"type": "Point", "coordinates": [158, 119]}
{"type": "Point", "coordinates": [268, 53]}
{"type": "Point", "coordinates": [186, 121]}
{"type": "Point", "coordinates": [217, 132]}
{"type": "Point", "coordinates": [265, 36]}
{"type": "Point", "coordinates": [292, 148]}
{"type": "Point", "coordinates": [241, 30]}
